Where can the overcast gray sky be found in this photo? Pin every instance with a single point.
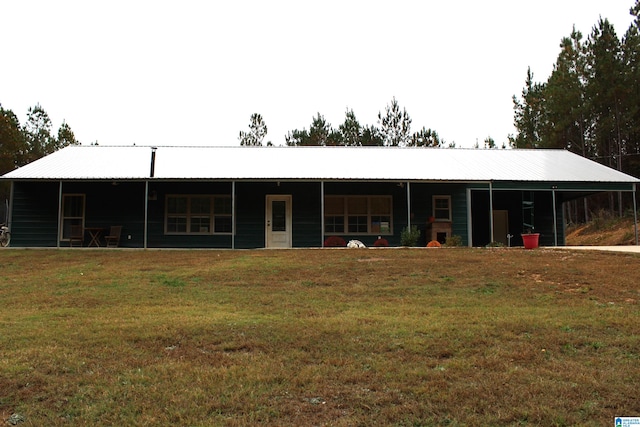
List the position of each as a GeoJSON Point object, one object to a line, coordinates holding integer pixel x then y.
{"type": "Point", "coordinates": [192, 72]}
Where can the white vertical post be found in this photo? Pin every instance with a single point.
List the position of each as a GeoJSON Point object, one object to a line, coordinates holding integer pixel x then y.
{"type": "Point", "coordinates": [233, 214]}
{"type": "Point", "coordinates": [408, 206]}
{"type": "Point", "coordinates": [491, 210]}
{"type": "Point", "coordinates": [555, 220]}
{"type": "Point", "coordinates": [321, 213]}
{"type": "Point", "coordinates": [469, 219]}
{"type": "Point", "coordinates": [59, 214]}
{"type": "Point", "coordinates": [635, 213]}
{"type": "Point", "coordinates": [146, 213]}
{"type": "Point", "coordinates": [9, 217]}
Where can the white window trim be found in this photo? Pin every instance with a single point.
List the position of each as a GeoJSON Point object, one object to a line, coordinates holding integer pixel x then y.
{"type": "Point", "coordinates": [434, 210]}
{"type": "Point", "coordinates": [63, 217]}
{"type": "Point", "coordinates": [369, 214]}
{"type": "Point", "coordinates": [188, 215]}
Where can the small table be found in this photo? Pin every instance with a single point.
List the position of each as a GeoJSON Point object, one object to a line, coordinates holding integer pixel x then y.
{"type": "Point", "coordinates": [95, 233]}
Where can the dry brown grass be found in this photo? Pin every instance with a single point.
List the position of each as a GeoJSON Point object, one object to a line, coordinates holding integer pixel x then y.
{"type": "Point", "coordinates": [604, 230]}
{"type": "Point", "coordinates": [319, 337]}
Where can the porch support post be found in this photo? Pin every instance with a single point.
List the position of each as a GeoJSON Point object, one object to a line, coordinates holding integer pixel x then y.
{"type": "Point", "coordinates": [233, 214]}
{"type": "Point", "coordinates": [408, 205]}
{"type": "Point", "coordinates": [491, 210]}
{"type": "Point", "coordinates": [635, 214]}
{"type": "Point", "coordinates": [9, 217]}
{"type": "Point", "coordinates": [146, 213]}
{"type": "Point", "coordinates": [321, 214]}
{"type": "Point", "coordinates": [469, 219]}
{"type": "Point", "coordinates": [59, 228]}
{"type": "Point", "coordinates": [555, 220]}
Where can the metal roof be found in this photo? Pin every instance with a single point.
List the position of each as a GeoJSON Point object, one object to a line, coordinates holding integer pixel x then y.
{"type": "Point", "coordinates": [88, 162]}
{"type": "Point", "coordinates": [316, 163]}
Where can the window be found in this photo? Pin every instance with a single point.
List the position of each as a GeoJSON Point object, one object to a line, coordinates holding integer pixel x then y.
{"type": "Point", "coordinates": [357, 215]}
{"type": "Point", "coordinates": [334, 214]}
{"type": "Point", "coordinates": [198, 214]}
{"type": "Point", "coordinates": [442, 208]}
{"type": "Point", "coordinates": [72, 213]}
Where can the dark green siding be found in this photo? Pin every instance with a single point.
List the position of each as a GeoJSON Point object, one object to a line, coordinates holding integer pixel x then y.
{"type": "Point", "coordinates": [111, 203]}
{"type": "Point", "coordinates": [34, 219]}
{"type": "Point", "coordinates": [251, 211]}
{"type": "Point", "coordinates": [158, 191]}
{"type": "Point", "coordinates": [399, 206]}
{"type": "Point", "coordinates": [307, 230]}
{"type": "Point", "coordinates": [250, 214]}
{"type": "Point", "coordinates": [35, 211]}
{"type": "Point", "coordinates": [421, 206]}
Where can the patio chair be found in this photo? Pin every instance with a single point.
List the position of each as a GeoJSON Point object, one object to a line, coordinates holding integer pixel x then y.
{"type": "Point", "coordinates": [113, 238]}
{"type": "Point", "coordinates": [77, 235]}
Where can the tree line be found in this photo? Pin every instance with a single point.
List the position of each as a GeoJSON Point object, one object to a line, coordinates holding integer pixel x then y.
{"type": "Point", "coordinates": [23, 143]}
{"type": "Point", "coordinates": [393, 130]}
{"type": "Point", "coordinates": [590, 104]}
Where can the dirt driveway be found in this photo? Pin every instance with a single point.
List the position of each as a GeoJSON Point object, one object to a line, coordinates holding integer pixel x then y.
{"type": "Point", "coordinates": [628, 249]}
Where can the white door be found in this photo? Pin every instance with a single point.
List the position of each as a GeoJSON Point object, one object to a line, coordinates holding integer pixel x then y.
{"type": "Point", "coordinates": [278, 221]}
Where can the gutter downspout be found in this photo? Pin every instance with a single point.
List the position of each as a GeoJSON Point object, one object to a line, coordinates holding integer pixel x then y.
{"type": "Point", "coordinates": [152, 173]}
{"type": "Point", "coordinates": [153, 162]}
{"type": "Point", "coordinates": [146, 213]}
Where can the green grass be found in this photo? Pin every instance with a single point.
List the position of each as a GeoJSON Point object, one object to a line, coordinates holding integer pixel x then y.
{"type": "Point", "coordinates": [405, 337]}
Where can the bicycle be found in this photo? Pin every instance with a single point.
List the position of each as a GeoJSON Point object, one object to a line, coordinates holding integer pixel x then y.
{"type": "Point", "coordinates": [5, 235]}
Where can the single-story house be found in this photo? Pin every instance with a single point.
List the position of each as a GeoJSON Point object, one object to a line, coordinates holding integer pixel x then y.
{"type": "Point", "coordinates": [257, 197]}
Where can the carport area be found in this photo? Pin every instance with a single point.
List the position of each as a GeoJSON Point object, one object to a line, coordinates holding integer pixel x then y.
{"type": "Point", "coordinates": [502, 213]}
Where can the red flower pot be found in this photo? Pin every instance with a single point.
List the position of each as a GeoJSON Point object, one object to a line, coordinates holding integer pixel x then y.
{"type": "Point", "coordinates": [530, 241]}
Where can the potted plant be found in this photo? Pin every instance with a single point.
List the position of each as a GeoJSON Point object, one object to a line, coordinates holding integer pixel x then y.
{"type": "Point", "coordinates": [409, 236]}
{"type": "Point", "coordinates": [530, 239]}
{"type": "Point", "coordinates": [381, 243]}
{"type": "Point", "coordinates": [335, 242]}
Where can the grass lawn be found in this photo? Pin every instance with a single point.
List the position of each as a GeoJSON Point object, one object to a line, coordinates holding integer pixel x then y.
{"type": "Point", "coordinates": [405, 337]}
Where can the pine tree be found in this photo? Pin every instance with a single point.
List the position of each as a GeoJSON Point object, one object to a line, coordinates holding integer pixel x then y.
{"type": "Point", "coordinates": [565, 98]}
{"type": "Point", "coordinates": [257, 132]}
{"type": "Point", "coordinates": [12, 143]}
{"type": "Point", "coordinates": [350, 130]}
{"type": "Point", "coordinates": [631, 101]}
{"type": "Point", "coordinates": [395, 125]}
{"type": "Point", "coordinates": [320, 131]}
{"type": "Point", "coordinates": [425, 138]}
{"type": "Point", "coordinates": [604, 92]}
{"type": "Point", "coordinates": [371, 137]}
{"type": "Point", "coordinates": [529, 114]}
{"type": "Point", "coordinates": [37, 133]}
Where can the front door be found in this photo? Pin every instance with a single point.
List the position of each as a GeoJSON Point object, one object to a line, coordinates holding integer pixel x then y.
{"type": "Point", "coordinates": [501, 226]}
{"type": "Point", "coordinates": [278, 221]}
